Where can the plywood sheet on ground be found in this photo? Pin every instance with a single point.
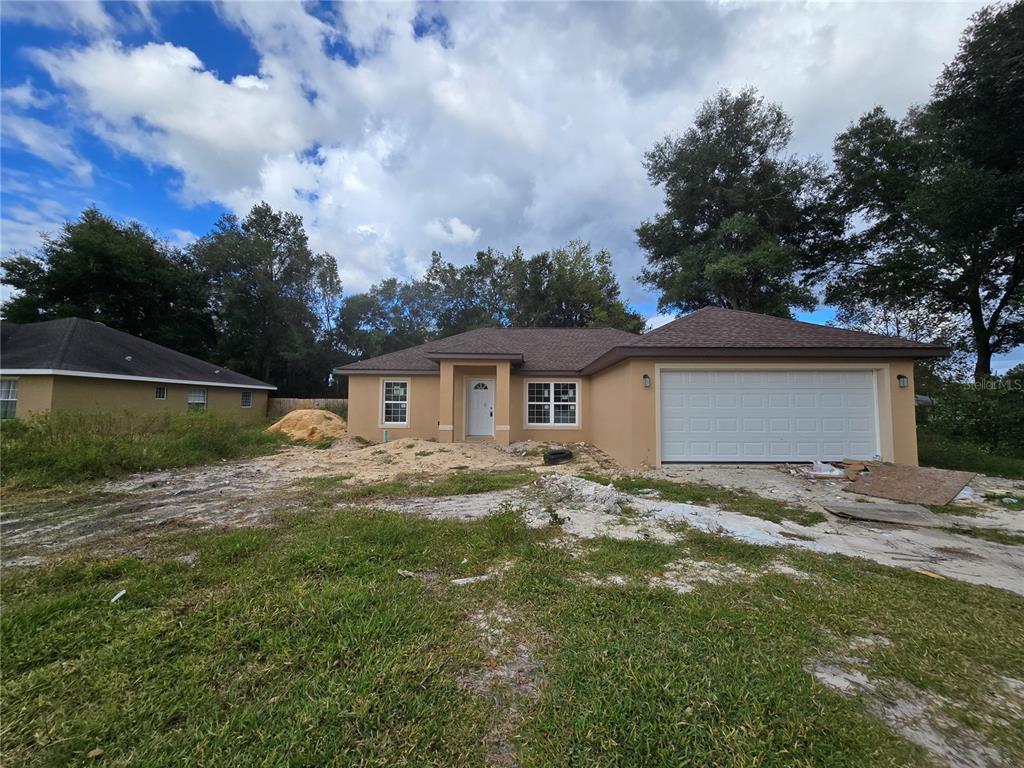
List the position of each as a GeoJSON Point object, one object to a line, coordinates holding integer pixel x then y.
{"type": "Point", "coordinates": [893, 514]}
{"type": "Point", "coordinates": [920, 485]}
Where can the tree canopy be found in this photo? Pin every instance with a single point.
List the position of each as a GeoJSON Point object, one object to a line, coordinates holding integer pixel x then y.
{"type": "Point", "coordinates": [273, 299]}
{"type": "Point", "coordinates": [740, 215]}
{"type": "Point", "coordinates": [117, 273]}
{"type": "Point", "coordinates": [932, 201]}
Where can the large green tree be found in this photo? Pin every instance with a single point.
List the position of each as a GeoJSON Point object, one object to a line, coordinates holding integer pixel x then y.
{"type": "Point", "coordinates": [934, 202]}
{"type": "Point", "coordinates": [117, 273]}
{"type": "Point", "coordinates": [741, 216]}
{"type": "Point", "coordinates": [273, 298]}
{"type": "Point", "coordinates": [569, 287]}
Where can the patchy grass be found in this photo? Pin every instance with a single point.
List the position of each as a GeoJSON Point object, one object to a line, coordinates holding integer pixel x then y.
{"type": "Point", "coordinates": [302, 644]}
{"type": "Point", "coordinates": [703, 493]}
{"type": "Point", "coordinates": [991, 534]}
{"type": "Point", "coordinates": [62, 448]}
{"type": "Point", "coordinates": [949, 453]}
{"type": "Point", "coordinates": [455, 484]}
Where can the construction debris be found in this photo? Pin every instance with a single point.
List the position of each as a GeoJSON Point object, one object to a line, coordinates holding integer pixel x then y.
{"type": "Point", "coordinates": [891, 514]}
{"type": "Point", "coordinates": [310, 425]}
{"type": "Point", "coordinates": [919, 485]}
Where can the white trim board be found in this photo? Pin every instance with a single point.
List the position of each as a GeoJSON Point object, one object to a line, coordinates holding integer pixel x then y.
{"type": "Point", "coordinates": [125, 377]}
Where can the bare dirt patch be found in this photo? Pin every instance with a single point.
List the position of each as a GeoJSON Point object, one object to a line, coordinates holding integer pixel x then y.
{"type": "Point", "coordinates": [915, 714]}
{"type": "Point", "coordinates": [509, 679]}
{"type": "Point", "coordinates": [585, 509]}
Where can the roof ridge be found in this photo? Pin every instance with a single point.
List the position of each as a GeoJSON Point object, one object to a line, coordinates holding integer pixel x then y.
{"type": "Point", "coordinates": [65, 341]}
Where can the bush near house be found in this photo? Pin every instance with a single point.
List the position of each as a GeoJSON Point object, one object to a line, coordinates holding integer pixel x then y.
{"type": "Point", "coordinates": [977, 426]}
{"type": "Point", "coordinates": [58, 448]}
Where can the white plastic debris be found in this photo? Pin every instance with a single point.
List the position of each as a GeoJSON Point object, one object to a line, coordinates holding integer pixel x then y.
{"type": "Point", "coordinates": [118, 596]}
{"type": "Point", "coordinates": [821, 469]}
{"type": "Point", "coordinates": [968, 494]}
{"type": "Point", "coordinates": [471, 579]}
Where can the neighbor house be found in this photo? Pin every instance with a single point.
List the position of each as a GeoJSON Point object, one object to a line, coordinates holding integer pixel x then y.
{"type": "Point", "coordinates": [715, 385]}
{"type": "Point", "coordinates": [81, 365]}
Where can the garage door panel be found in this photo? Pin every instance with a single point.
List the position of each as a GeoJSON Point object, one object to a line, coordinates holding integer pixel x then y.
{"type": "Point", "coordinates": [768, 415]}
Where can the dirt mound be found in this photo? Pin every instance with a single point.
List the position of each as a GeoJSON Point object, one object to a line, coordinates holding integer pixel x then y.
{"type": "Point", "coordinates": [310, 424]}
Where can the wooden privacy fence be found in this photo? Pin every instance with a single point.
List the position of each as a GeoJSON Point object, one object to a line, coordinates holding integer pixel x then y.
{"type": "Point", "coordinates": [279, 406]}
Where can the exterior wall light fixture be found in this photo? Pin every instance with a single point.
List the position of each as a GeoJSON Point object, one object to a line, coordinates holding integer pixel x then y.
{"type": "Point", "coordinates": [647, 381]}
{"type": "Point", "coordinates": [903, 381]}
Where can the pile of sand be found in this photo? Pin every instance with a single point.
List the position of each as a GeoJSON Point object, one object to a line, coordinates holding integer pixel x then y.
{"type": "Point", "coordinates": [310, 424]}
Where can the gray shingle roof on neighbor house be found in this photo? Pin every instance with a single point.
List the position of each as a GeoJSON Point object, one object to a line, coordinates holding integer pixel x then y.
{"type": "Point", "coordinates": [708, 332]}
{"type": "Point", "coordinates": [72, 345]}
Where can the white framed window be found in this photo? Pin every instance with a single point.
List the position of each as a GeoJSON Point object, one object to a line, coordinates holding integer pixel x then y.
{"type": "Point", "coordinates": [395, 402]}
{"type": "Point", "coordinates": [8, 398]}
{"type": "Point", "coordinates": [161, 393]}
{"type": "Point", "coordinates": [247, 399]}
{"type": "Point", "coordinates": [552, 403]}
{"type": "Point", "coordinates": [197, 399]}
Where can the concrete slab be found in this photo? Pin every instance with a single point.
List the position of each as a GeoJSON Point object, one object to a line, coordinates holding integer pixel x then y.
{"type": "Point", "coordinates": [892, 514]}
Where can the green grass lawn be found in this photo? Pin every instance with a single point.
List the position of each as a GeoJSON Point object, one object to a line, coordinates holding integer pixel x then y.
{"type": "Point", "coordinates": [947, 453]}
{"type": "Point", "coordinates": [303, 645]}
{"type": "Point", "coordinates": [64, 448]}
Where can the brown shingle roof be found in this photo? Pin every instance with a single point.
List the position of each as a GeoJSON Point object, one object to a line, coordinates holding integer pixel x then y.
{"type": "Point", "coordinates": [718, 327]}
{"type": "Point", "coordinates": [708, 332]}
{"type": "Point", "coordinates": [551, 350]}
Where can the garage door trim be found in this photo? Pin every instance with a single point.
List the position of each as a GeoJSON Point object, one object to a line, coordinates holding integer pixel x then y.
{"type": "Point", "coordinates": [883, 420]}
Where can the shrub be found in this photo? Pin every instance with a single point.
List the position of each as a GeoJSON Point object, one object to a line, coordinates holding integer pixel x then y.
{"type": "Point", "coordinates": [54, 448]}
{"type": "Point", "coordinates": [989, 413]}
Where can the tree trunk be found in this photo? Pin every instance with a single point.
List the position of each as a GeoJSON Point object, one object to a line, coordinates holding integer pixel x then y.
{"type": "Point", "coordinates": [983, 365]}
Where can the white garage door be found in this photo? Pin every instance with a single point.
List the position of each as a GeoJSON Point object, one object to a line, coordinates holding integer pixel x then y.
{"type": "Point", "coordinates": [768, 415]}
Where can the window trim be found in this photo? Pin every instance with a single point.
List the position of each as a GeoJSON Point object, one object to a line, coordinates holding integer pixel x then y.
{"type": "Point", "coordinates": [189, 402]}
{"type": "Point", "coordinates": [527, 424]}
{"type": "Point", "coordinates": [14, 385]}
{"type": "Point", "coordinates": [161, 392]}
{"type": "Point", "coordinates": [242, 398]}
{"type": "Point", "coordinates": [384, 381]}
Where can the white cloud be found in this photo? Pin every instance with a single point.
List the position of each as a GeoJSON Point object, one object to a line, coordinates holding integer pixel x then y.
{"type": "Point", "coordinates": [22, 225]}
{"type": "Point", "coordinates": [47, 142]}
{"type": "Point", "coordinates": [86, 16]}
{"type": "Point", "coordinates": [453, 231]}
{"type": "Point", "coordinates": [528, 120]}
{"type": "Point", "coordinates": [25, 96]}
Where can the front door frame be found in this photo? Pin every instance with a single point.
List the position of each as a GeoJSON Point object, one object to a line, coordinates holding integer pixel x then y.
{"type": "Point", "coordinates": [467, 404]}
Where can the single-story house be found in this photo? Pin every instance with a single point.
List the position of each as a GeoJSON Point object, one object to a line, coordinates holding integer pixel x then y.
{"type": "Point", "coordinates": [82, 365]}
{"type": "Point", "coordinates": [717, 385]}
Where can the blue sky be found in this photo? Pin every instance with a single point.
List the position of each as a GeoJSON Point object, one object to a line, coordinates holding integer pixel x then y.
{"type": "Point", "coordinates": [400, 128]}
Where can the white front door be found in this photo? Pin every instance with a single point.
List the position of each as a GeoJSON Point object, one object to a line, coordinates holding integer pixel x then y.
{"type": "Point", "coordinates": [480, 398]}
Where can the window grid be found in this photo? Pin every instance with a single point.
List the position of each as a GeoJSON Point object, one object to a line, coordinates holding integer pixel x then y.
{"type": "Point", "coordinates": [8, 398]}
{"type": "Point", "coordinates": [247, 399]}
{"type": "Point", "coordinates": [396, 402]}
{"type": "Point", "coordinates": [161, 393]}
{"type": "Point", "coordinates": [197, 399]}
{"type": "Point", "coordinates": [552, 403]}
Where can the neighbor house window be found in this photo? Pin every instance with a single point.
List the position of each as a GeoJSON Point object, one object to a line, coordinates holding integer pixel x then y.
{"type": "Point", "coordinates": [552, 403]}
{"type": "Point", "coordinates": [247, 399]}
{"type": "Point", "coordinates": [396, 402]}
{"type": "Point", "coordinates": [161, 393]}
{"type": "Point", "coordinates": [197, 399]}
{"type": "Point", "coordinates": [8, 398]}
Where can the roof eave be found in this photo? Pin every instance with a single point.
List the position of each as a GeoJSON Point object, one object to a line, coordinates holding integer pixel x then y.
{"type": "Point", "coordinates": [131, 377]}
{"type": "Point", "coordinates": [618, 354]}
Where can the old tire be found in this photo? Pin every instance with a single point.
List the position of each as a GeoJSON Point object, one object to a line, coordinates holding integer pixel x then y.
{"type": "Point", "coordinates": [557, 457]}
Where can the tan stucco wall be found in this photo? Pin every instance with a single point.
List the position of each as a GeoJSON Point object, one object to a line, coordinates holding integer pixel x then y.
{"type": "Point", "coordinates": [617, 413]}
{"type": "Point", "coordinates": [72, 393]}
{"type": "Point", "coordinates": [365, 410]}
{"type": "Point", "coordinates": [34, 394]}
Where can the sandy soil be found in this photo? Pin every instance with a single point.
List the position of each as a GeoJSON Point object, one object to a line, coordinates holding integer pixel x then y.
{"type": "Point", "coordinates": [122, 516]}
{"type": "Point", "coordinates": [238, 493]}
{"type": "Point", "coordinates": [587, 510]}
{"type": "Point", "coordinates": [787, 484]}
